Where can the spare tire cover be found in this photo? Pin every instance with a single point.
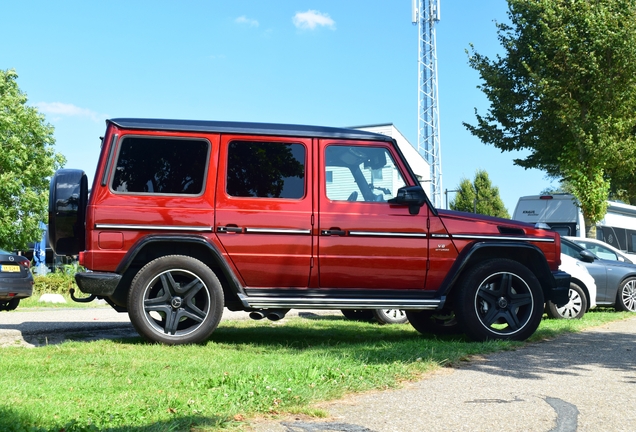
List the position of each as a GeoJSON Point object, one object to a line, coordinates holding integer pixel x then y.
{"type": "Point", "coordinates": [68, 196]}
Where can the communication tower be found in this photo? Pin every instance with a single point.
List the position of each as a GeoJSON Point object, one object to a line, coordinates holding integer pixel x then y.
{"type": "Point", "coordinates": [425, 13]}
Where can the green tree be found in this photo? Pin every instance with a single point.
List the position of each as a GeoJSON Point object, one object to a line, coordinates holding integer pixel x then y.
{"type": "Point", "coordinates": [27, 161]}
{"type": "Point", "coordinates": [565, 91]}
{"type": "Point", "coordinates": [479, 197]}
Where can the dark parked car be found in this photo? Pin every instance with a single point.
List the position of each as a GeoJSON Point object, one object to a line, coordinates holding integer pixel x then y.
{"type": "Point", "coordinates": [615, 280]}
{"type": "Point", "coordinates": [16, 280]}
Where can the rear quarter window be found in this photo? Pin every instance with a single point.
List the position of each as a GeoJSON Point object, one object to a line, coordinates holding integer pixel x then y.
{"type": "Point", "coordinates": [156, 165]}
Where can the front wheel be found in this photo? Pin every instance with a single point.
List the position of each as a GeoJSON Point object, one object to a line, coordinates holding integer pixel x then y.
{"type": "Point", "coordinates": [626, 296]}
{"type": "Point", "coordinates": [499, 299]}
{"type": "Point", "coordinates": [175, 299]}
{"type": "Point", "coordinates": [574, 309]}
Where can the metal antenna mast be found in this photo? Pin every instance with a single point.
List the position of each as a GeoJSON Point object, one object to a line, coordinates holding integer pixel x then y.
{"type": "Point", "coordinates": [425, 14]}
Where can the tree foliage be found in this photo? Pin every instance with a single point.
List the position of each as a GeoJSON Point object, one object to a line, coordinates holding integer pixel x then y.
{"type": "Point", "coordinates": [480, 196]}
{"type": "Point", "coordinates": [565, 90]}
{"type": "Point", "coordinates": [27, 161]}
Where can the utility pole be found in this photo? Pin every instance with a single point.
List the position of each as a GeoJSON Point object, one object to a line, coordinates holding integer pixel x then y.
{"type": "Point", "coordinates": [446, 193]}
{"type": "Point", "coordinates": [425, 13]}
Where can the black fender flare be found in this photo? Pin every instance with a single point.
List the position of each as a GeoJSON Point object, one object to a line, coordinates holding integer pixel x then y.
{"type": "Point", "coordinates": [181, 239]}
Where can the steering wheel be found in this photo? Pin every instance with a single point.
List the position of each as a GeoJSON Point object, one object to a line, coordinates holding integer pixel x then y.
{"type": "Point", "coordinates": [353, 196]}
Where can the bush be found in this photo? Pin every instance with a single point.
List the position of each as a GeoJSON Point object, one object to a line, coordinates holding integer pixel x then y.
{"type": "Point", "coordinates": [54, 283]}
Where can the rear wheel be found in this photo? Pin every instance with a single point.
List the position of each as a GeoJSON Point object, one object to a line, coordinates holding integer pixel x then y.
{"type": "Point", "coordinates": [390, 316]}
{"type": "Point", "coordinates": [574, 309]}
{"type": "Point", "coordinates": [174, 300]}
{"type": "Point", "coordinates": [626, 296]}
{"type": "Point", "coordinates": [9, 305]}
{"type": "Point", "coordinates": [499, 299]}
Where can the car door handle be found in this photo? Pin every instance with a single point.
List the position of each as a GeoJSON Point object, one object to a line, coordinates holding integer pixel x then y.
{"type": "Point", "coordinates": [333, 232]}
{"type": "Point", "coordinates": [229, 229]}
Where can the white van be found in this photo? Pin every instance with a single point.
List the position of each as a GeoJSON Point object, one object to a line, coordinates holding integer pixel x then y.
{"type": "Point", "coordinates": [562, 214]}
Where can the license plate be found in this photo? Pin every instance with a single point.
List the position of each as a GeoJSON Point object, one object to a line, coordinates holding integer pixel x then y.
{"type": "Point", "coordinates": [11, 268]}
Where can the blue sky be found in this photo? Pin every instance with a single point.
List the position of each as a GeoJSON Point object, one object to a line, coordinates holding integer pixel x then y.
{"type": "Point", "coordinates": [321, 62]}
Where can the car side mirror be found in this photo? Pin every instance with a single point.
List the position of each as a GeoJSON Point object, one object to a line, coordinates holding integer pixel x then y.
{"type": "Point", "coordinates": [587, 256]}
{"type": "Point", "coordinates": [412, 196]}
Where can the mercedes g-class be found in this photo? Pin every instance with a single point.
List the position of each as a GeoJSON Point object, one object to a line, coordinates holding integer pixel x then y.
{"type": "Point", "coordinates": [185, 218]}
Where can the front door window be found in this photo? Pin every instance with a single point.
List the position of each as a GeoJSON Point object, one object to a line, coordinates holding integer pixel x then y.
{"type": "Point", "coordinates": [358, 173]}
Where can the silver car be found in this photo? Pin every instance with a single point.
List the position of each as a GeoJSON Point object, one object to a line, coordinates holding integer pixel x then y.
{"type": "Point", "coordinates": [602, 249]}
{"type": "Point", "coordinates": [615, 280]}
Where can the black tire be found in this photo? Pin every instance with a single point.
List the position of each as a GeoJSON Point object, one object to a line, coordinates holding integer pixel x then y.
{"type": "Point", "coordinates": [626, 296]}
{"type": "Point", "coordinates": [499, 299]}
{"type": "Point", "coordinates": [574, 309]}
{"type": "Point", "coordinates": [390, 316]}
{"type": "Point", "coordinates": [436, 322]}
{"type": "Point", "coordinates": [9, 305]}
{"type": "Point", "coordinates": [358, 314]}
{"type": "Point", "coordinates": [174, 300]}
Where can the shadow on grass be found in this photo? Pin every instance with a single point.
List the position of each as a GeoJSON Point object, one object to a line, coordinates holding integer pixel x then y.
{"type": "Point", "coordinates": [322, 330]}
{"type": "Point", "coordinates": [14, 421]}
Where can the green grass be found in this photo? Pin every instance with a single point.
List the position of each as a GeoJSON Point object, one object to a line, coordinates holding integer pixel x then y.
{"type": "Point", "coordinates": [246, 369]}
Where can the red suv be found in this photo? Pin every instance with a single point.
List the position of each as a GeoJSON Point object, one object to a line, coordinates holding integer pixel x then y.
{"type": "Point", "coordinates": [185, 218]}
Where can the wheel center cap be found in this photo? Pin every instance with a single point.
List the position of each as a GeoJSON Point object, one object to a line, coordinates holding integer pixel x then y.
{"type": "Point", "coordinates": [176, 302]}
{"type": "Point", "coordinates": [502, 303]}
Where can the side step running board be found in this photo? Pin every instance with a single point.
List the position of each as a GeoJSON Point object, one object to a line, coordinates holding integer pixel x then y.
{"type": "Point", "coordinates": [261, 302]}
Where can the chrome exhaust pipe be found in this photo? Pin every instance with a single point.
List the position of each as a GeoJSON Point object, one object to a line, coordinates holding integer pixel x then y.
{"type": "Point", "coordinates": [257, 315]}
{"type": "Point", "coordinates": [276, 314]}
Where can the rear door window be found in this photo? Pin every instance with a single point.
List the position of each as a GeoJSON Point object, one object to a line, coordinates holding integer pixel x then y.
{"type": "Point", "coordinates": [157, 165]}
{"type": "Point", "coordinates": [266, 170]}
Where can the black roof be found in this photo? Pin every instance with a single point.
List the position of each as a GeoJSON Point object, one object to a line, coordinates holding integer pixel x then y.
{"type": "Point", "coordinates": [247, 128]}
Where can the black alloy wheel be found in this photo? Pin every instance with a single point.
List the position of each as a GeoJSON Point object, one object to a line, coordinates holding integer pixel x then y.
{"type": "Point", "coordinates": [175, 299]}
{"type": "Point", "coordinates": [499, 299]}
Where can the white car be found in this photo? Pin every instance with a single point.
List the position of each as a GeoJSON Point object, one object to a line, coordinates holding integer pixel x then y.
{"type": "Point", "coordinates": [602, 249]}
{"type": "Point", "coordinates": [582, 291]}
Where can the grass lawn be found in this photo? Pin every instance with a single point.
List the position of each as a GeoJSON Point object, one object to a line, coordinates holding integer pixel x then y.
{"type": "Point", "coordinates": [247, 368]}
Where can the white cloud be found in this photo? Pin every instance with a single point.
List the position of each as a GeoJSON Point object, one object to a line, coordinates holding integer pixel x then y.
{"type": "Point", "coordinates": [247, 21]}
{"type": "Point", "coordinates": [60, 109]}
{"type": "Point", "coordinates": [311, 19]}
